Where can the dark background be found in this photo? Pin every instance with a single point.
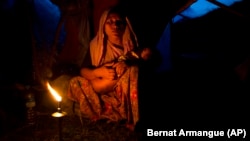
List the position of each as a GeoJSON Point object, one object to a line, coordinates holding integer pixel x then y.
{"type": "Point", "coordinates": [202, 92]}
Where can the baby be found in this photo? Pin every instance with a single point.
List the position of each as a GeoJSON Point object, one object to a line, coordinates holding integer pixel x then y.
{"type": "Point", "coordinates": [106, 85]}
{"type": "Point", "coordinates": [144, 54]}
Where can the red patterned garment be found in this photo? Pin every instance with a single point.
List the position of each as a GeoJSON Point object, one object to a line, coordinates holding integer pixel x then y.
{"type": "Point", "coordinates": [120, 104]}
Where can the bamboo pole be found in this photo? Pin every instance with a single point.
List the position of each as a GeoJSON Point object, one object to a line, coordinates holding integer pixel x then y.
{"type": "Point", "coordinates": [35, 68]}
{"type": "Point", "coordinates": [53, 53]}
{"type": "Point", "coordinates": [184, 7]}
{"type": "Point", "coordinates": [228, 9]}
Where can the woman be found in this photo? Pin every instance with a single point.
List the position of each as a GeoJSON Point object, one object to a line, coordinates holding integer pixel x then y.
{"type": "Point", "coordinates": [107, 88]}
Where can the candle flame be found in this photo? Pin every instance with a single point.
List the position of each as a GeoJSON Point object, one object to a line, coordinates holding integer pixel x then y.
{"type": "Point", "coordinates": [54, 93]}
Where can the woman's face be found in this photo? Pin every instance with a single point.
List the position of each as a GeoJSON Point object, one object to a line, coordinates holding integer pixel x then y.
{"type": "Point", "coordinates": [114, 25]}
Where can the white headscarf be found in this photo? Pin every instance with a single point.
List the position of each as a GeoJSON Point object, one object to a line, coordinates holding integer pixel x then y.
{"type": "Point", "coordinates": [97, 43]}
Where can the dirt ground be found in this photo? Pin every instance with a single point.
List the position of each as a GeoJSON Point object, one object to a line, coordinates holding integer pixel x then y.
{"type": "Point", "coordinates": [72, 128]}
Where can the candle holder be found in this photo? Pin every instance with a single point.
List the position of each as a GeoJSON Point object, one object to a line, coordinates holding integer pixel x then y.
{"type": "Point", "coordinates": [59, 114]}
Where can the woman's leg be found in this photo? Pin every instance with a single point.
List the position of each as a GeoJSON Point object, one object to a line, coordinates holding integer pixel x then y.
{"type": "Point", "coordinates": [81, 91]}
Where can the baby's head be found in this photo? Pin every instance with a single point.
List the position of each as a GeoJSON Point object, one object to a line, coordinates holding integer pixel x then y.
{"type": "Point", "coordinates": [146, 53]}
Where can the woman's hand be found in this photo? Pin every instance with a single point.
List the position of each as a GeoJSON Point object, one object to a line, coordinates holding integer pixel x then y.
{"type": "Point", "coordinates": [106, 72]}
{"type": "Point", "coordinates": [120, 68]}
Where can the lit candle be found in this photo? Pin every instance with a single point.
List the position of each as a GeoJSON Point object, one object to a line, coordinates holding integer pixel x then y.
{"type": "Point", "coordinates": [58, 98]}
{"type": "Point", "coordinates": [59, 114]}
{"type": "Point", "coordinates": [56, 95]}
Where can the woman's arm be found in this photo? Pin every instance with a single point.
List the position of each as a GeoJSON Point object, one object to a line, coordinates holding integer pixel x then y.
{"type": "Point", "coordinates": [91, 72]}
{"type": "Point", "coordinates": [102, 78]}
{"type": "Point", "coordinates": [102, 72]}
{"type": "Point", "coordinates": [88, 73]}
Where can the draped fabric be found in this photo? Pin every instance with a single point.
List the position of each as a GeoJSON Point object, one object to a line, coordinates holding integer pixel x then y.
{"type": "Point", "coordinates": [77, 30]}
{"type": "Point", "coordinates": [97, 44]}
{"type": "Point", "coordinates": [122, 102]}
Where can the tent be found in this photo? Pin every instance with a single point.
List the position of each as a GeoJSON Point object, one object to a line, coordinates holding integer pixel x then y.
{"type": "Point", "coordinates": [200, 41]}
